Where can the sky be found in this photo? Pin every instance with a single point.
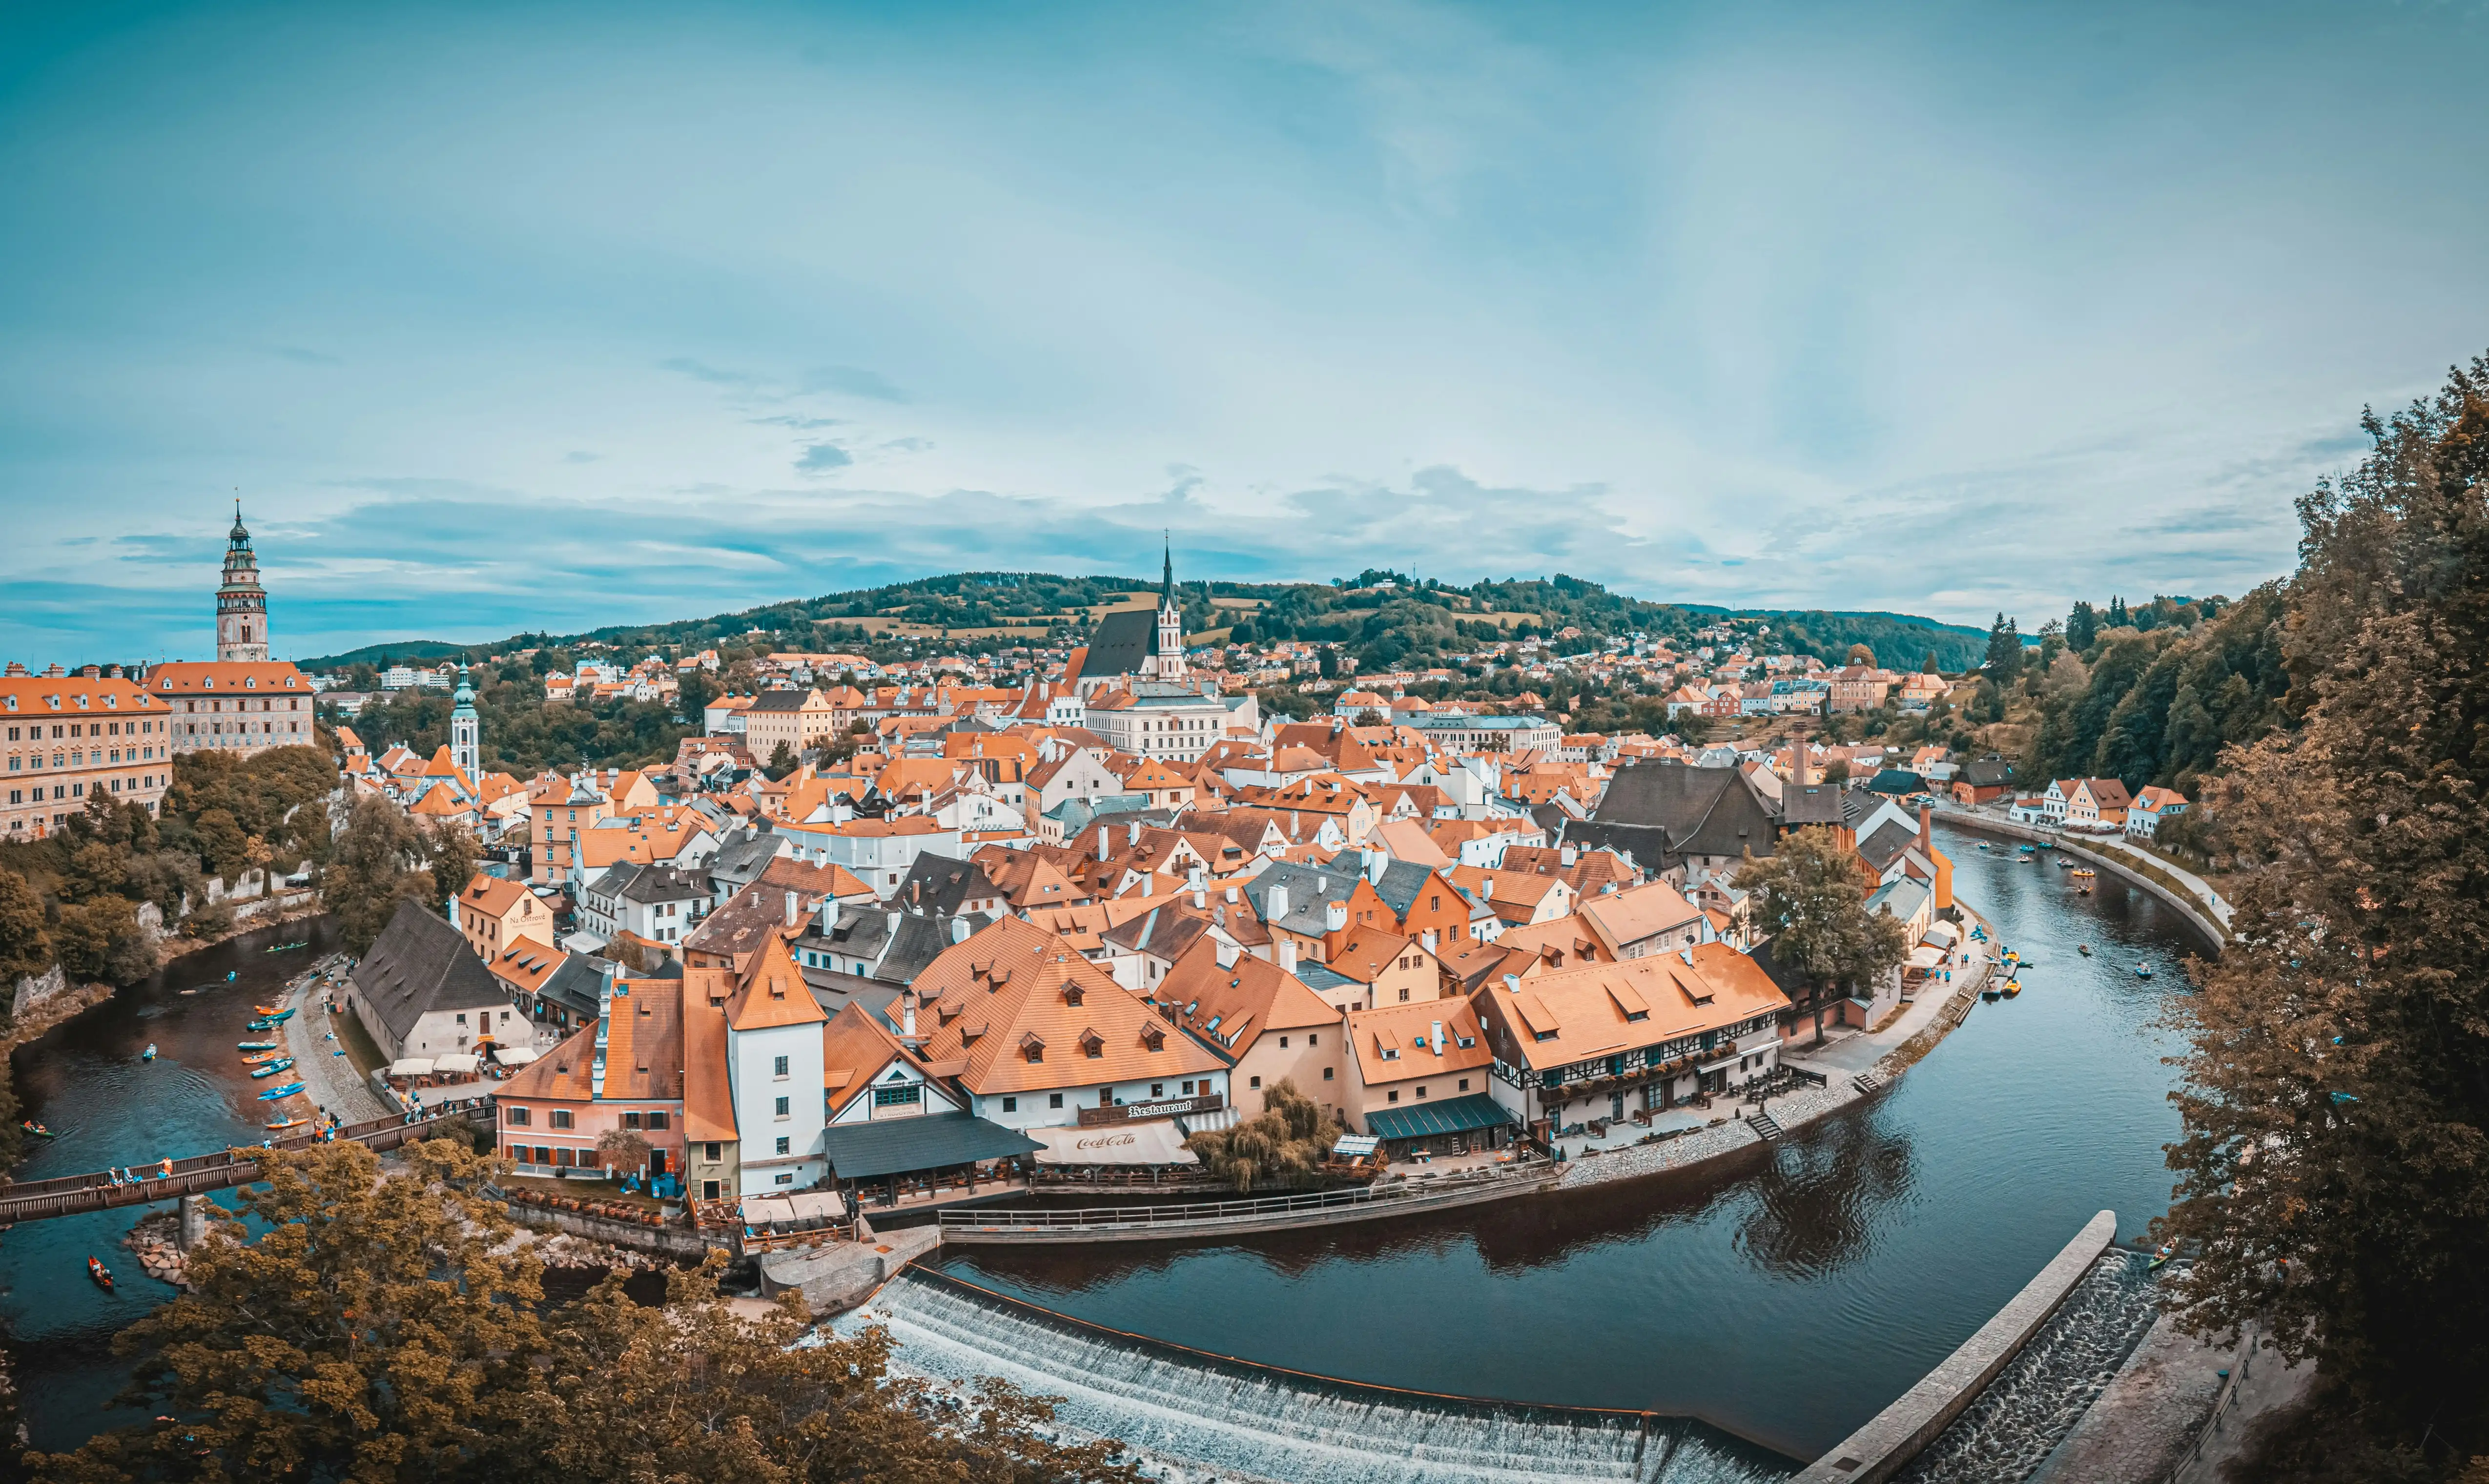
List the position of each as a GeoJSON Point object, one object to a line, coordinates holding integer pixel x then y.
{"type": "Point", "coordinates": [520, 316]}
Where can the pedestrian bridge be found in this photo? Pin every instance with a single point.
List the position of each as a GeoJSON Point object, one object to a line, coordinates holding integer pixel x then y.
{"type": "Point", "coordinates": [68, 1195]}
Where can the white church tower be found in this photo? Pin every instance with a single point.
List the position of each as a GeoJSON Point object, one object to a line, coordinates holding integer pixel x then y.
{"type": "Point", "coordinates": [1168, 662]}
{"type": "Point", "coordinates": [242, 604]}
{"type": "Point", "coordinates": [466, 731]}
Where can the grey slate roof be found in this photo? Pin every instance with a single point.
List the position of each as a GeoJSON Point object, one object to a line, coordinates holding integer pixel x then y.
{"type": "Point", "coordinates": [419, 964]}
{"type": "Point", "coordinates": [1881, 848]}
{"type": "Point", "coordinates": [1308, 888]}
{"type": "Point", "coordinates": [937, 883]}
{"type": "Point", "coordinates": [1122, 641]}
{"type": "Point", "coordinates": [781, 699]}
{"type": "Point", "coordinates": [1401, 882]}
{"type": "Point", "coordinates": [1161, 932]}
{"type": "Point", "coordinates": [664, 883]}
{"type": "Point", "coordinates": [1814, 804]}
{"type": "Point", "coordinates": [739, 861]}
{"type": "Point", "coordinates": [1692, 811]}
{"type": "Point", "coordinates": [1897, 781]}
{"type": "Point", "coordinates": [894, 1146]}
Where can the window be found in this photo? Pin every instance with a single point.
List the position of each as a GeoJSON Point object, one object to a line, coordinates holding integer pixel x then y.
{"type": "Point", "coordinates": [782, 1108]}
{"type": "Point", "coordinates": [780, 1072]}
{"type": "Point", "coordinates": [1011, 1104]}
{"type": "Point", "coordinates": [1054, 1100]}
{"type": "Point", "coordinates": [1159, 1089]}
{"type": "Point", "coordinates": [712, 1152]}
{"type": "Point", "coordinates": [630, 1120]}
{"type": "Point", "coordinates": [657, 1120]}
{"type": "Point", "coordinates": [518, 1117]}
{"type": "Point", "coordinates": [1283, 1042]}
{"type": "Point", "coordinates": [562, 1159]}
{"type": "Point", "coordinates": [898, 1096]}
{"type": "Point", "coordinates": [1257, 1081]}
{"type": "Point", "coordinates": [787, 1179]}
{"type": "Point", "coordinates": [1327, 1073]}
{"type": "Point", "coordinates": [544, 1156]}
{"type": "Point", "coordinates": [1311, 1040]}
{"type": "Point", "coordinates": [709, 1190]}
{"type": "Point", "coordinates": [1392, 1096]}
{"type": "Point", "coordinates": [561, 1118]}
{"type": "Point", "coordinates": [785, 1146]}
{"type": "Point", "coordinates": [1464, 1084]}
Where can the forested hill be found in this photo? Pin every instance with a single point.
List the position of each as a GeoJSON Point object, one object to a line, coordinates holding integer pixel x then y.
{"type": "Point", "coordinates": [1406, 623]}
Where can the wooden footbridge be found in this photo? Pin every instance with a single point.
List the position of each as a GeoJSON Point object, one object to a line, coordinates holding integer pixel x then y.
{"type": "Point", "coordinates": [68, 1195]}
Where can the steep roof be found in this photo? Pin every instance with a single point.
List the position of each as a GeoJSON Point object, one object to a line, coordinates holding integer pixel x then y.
{"type": "Point", "coordinates": [772, 994]}
{"type": "Point", "coordinates": [1122, 639]}
{"type": "Point", "coordinates": [1233, 1004]}
{"type": "Point", "coordinates": [1002, 995]}
{"type": "Point", "coordinates": [1695, 810]}
{"type": "Point", "coordinates": [1395, 1043]}
{"type": "Point", "coordinates": [1573, 1015]}
{"type": "Point", "coordinates": [419, 964]}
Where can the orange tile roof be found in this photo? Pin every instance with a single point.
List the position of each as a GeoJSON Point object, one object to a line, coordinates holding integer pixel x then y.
{"type": "Point", "coordinates": [1233, 1005]}
{"type": "Point", "coordinates": [773, 992]}
{"type": "Point", "coordinates": [1572, 1014]}
{"type": "Point", "coordinates": [1395, 1042]}
{"type": "Point", "coordinates": [708, 1097]}
{"type": "Point", "coordinates": [1011, 989]}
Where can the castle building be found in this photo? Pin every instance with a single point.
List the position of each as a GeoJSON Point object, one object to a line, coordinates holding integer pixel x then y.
{"type": "Point", "coordinates": [466, 729]}
{"type": "Point", "coordinates": [242, 701]}
{"type": "Point", "coordinates": [242, 604]}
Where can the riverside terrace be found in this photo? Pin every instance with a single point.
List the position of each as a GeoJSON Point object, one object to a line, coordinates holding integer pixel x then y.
{"type": "Point", "coordinates": [1592, 1057]}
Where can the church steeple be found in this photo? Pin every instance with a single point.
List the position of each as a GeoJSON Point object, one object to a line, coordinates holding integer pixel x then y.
{"type": "Point", "coordinates": [1170, 656]}
{"type": "Point", "coordinates": [466, 729]}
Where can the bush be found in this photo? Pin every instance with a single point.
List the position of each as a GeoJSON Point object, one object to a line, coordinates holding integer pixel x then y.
{"type": "Point", "coordinates": [1284, 1147]}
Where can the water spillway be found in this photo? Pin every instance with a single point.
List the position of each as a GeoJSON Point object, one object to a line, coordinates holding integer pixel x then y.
{"type": "Point", "coordinates": [1197, 1417]}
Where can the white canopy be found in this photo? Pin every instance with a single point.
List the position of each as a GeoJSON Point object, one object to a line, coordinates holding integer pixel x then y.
{"type": "Point", "coordinates": [762, 1210]}
{"type": "Point", "coordinates": [816, 1204]}
{"type": "Point", "coordinates": [1351, 1145]}
{"type": "Point", "coordinates": [1926, 957]}
{"type": "Point", "coordinates": [1941, 934]}
{"type": "Point", "coordinates": [455, 1063]}
{"type": "Point", "coordinates": [1154, 1142]}
{"type": "Point", "coordinates": [514, 1056]}
{"type": "Point", "coordinates": [411, 1067]}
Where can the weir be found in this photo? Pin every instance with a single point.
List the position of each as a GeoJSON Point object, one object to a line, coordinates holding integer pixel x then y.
{"type": "Point", "coordinates": [1197, 1416]}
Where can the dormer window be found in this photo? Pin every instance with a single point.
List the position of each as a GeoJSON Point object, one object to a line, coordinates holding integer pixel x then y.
{"type": "Point", "coordinates": [1092, 1044]}
{"type": "Point", "coordinates": [1071, 994]}
{"type": "Point", "coordinates": [1154, 1039]}
{"type": "Point", "coordinates": [1031, 1047]}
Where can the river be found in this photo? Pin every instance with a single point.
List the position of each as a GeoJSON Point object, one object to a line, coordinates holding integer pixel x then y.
{"type": "Point", "coordinates": [85, 1081]}
{"type": "Point", "coordinates": [1785, 1294]}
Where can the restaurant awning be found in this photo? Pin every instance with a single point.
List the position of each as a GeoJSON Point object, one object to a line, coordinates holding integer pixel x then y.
{"type": "Point", "coordinates": [1349, 1146]}
{"type": "Point", "coordinates": [1942, 934]}
{"type": "Point", "coordinates": [411, 1067]}
{"type": "Point", "coordinates": [514, 1056]}
{"type": "Point", "coordinates": [455, 1064]}
{"type": "Point", "coordinates": [1154, 1142]}
{"type": "Point", "coordinates": [936, 1141]}
{"type": "Point", "coordinates": [1452, 1115]}
{"type": "Point", "coordinates": [1927, 956]}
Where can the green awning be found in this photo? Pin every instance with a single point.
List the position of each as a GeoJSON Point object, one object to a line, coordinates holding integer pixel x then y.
{"type": "Point", "coordinates": [895, 1145]}
{"type": "Point", "coordinates": [1452, 1115]}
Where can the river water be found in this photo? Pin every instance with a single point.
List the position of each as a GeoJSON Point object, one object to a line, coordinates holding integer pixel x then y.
{"type": "Point", "coordinates": [85, 1081]}
{"type": "Point", "coordinates": [1785, 1295]}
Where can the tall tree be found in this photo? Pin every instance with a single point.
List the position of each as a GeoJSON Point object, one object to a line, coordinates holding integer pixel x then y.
{"type": "Point", "coordinates": [1810, 897]}
{"type": "Point", "coordinates": [25, 947]}
{"type": "Point", "coordinates": [2334, 1167]}
{"type": "Point", "coordinates": [2004, 663]}
{"type": "Point", "coordinates": [2082, 627]}
{"type": "Point", "coordinates": [374, 865]}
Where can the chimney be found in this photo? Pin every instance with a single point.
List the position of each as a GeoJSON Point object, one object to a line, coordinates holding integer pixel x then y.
{"type": "Point", "coordinates": [1286, 948]}
{"type": "Point", "coordinates": [1231, 894]}
{"type": "Point", "coordinates": [1427, 938]}
{"type": "Point", "coordinates": [1201, 900]}
{"type": "Point", "coordinates": [1567, 856]}
{"type": "Point", "coordinates": [1512, 981]}
{"type": "Point", "coordinates": [1438, 1041]}
{"type": "Point", "coordinates": [1133, 833]}
{"type": "Point", "coordinates": [1102, 843]}
{"type": "Point", "coordinates": [1798, 768]}
{"type": "Point", "coordinates": [959, 929]}
{"type": "Point", "coordinates": [908, 1014]}
{"type": "Point", "coordinates": [1275, 905]}
{"type": "Point", "coordinates": [1334, 917]}
{"type": "Point", "coordinates": [1226, 954]}
{"type": "Point", "coordinates": [1486, 890]}
{"type": "Point", "coordinates": [1927, 833]}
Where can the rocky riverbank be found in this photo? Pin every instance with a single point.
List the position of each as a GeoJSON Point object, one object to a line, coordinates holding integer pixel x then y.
{"type": "Point", "coordinates": [155, 1239]}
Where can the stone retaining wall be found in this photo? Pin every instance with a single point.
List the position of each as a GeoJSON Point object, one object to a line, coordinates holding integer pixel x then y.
{"type": "Point", "coordinates": [2187, 907]}
{"type": "Point", "coordinates": [1893, 1436]}
{"type": "Point", "coordinates": [663, 1240]}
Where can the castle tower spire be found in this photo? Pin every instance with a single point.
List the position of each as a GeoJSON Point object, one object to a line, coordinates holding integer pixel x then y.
{"type": "Point", "coordinates": [465, 730]}
{"type": "Point", "coordinates": [1169, 664]}
{"type": "Point", "coordinates": [242, 604]}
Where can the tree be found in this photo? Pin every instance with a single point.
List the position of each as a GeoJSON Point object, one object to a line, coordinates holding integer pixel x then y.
{"type": "Point", "coordinates": [622, 1150]}
{"type": "Point", "coordinates": [1284, 1145]}
{"type": "Point", "coordinates": [1860, 654]}
{"type": "Point", "coordinates": [1928, 666]}
{"type": "Point", "coordinates": [782, 761]}
{"type": "Point", "coordinates": [2004, 663]}
{"type": "Point", "coordinates": [25, 948]}
{"type": "Point", "coordinates": [99, 939]}
{"type": "Point", "coordinates": [373, 867]}
{"type": "Point", "coordinates": [2082, 627]}
{"type": "Point", "coordinates": [222, 843]}
{"type": "Point", "coordinates": [371, 1327]}
{"type": "Point", "coordinates": [1810, 897]}
{"type": "Point", "coordinates": [2331, 1170]}
{"type": "Point", "coordinates": [452, 853]}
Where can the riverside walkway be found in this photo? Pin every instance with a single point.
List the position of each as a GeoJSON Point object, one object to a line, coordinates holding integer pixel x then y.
{"type": "Point", "coordinates": [68, 1195]}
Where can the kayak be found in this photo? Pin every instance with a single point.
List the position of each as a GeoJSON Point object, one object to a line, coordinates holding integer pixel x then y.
{"type": "Point", "coordinates": [283, 1123]}
{"type": "Point", "coordinates": [2167, 1250]}
{"type": "Point", "coordinates": [272, 1016]}
{"type": "Point", "coordinates": [37, 1130]}
{"type": "Point", "coordinates": [275, 1092]}
{"type": "Point", "coordinates": [149, 1054]}
{"type": "Point", "coordinates": [269, 1010]}
{"type": "Point", "coordinates": [2143, 971]}
{"type": "Point", "coordinates": [273, 1067]}
{"type": "Point", "coordinates": [254, 1046]}
{"type": "Point", "coordinates": [2083, 949]}
{"type": "Point", "coordinates": [261, 1025]}
{"type": "Point", "coordinates": [260, 1058]}
{"type": "Point", "coordinates": [101, 1275]}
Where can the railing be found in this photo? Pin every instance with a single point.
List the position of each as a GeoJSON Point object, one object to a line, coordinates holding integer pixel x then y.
{"type": "Point", "coordinates": [1197, 1213]}
{"type": "Point", "coordinates": [2222, 1405]}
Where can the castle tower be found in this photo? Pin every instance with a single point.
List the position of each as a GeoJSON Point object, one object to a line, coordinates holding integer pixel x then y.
{"type": "Point", "coordinates": [1170, 655]}
{"type": "Point", "coordinates": [242, 604]}
{"type": "Point", "coordinates": [465, 730]}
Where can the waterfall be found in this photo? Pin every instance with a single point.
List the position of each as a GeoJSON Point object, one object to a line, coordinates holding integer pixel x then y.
{"type": "Point", "coordinates": [1197, 1420]}
{"type": "Point", "coordinates": [2043, 1391]}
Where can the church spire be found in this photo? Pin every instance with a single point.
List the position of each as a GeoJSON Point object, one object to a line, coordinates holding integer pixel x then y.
{"type": "Point", "coordinates": [1166, 583]}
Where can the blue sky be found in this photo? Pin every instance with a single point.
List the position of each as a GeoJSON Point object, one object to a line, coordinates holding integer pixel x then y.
{"type": "Point", "coordinates": [515, 316]}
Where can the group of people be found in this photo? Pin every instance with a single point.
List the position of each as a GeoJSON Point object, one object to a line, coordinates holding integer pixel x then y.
{"type": "Point", "coordinates": [130, 1175]}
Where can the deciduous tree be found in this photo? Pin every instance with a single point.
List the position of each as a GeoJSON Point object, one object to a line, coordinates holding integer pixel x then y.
{"type": "Point", "coordinates": [1810, 897]}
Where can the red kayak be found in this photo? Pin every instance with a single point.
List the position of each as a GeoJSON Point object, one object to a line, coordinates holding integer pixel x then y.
{"type": "Point", "coordinates": [101, 1275]}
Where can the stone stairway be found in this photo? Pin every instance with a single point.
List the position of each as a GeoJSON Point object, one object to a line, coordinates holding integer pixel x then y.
{"type": "Point", "coordinates": [1868, 1082]}
{"type": "Point", "coordinates": [1761, 1123]}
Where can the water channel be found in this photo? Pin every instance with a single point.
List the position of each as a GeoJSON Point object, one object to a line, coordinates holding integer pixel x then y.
{"type": "Point", "coordinates": [85, 1081]}
{"type": "Point", "coordinates": [1784, 1295]}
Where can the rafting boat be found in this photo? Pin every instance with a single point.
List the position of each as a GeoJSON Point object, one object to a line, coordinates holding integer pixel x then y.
{"type": "Point", "coordinates": [101, 1275]}
{"type": "Point", "coordinates": [37, 1129]}
{"type": "Point", "coordinates": [254, 1046]}
{"type": "Point", "coordinates": [2167, 1252]}
{"type": "Point", "coordinates": [261, 1058]}
{"type": "Point", "coordinates": [2083, 949]}
{"type": "Point", "coordinates": [149, 1054]}
{"type": "Point", "coordinates": [2143, 971]}
{"type": "Point", "coordinates": [283, 1123]}
{"type": "Point", "coordinates": [1983, 844]}
{"type": "Point", "coordinates": [261, 1025]}
{"type": "Point", "coordinates": [273, 1067]}
{"type": "Point", "coordinates": [275, 1092]}
{"type": "Point", "coordinates": [269, 1009]}
{"type": "Point", "coordinates": [2012, 987]}
{"type": "Point", "coordinates": [272, 1016]}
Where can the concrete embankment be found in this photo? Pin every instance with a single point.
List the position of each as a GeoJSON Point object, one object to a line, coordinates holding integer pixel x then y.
{"type": "Point", "coordinates": [1893, 1436]}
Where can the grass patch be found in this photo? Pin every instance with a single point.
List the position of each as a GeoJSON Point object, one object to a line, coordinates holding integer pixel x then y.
{"type": "Point", "coordinates": [356, 1043]}
{"type": "Point", "coordinates": [577, 1189]}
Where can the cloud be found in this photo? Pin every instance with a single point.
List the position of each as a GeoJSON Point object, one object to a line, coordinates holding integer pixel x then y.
{"type": "Point", "coordinates": [580, 456]}
{"type": "Point", "coordinates": [850, 380]}
{"type": "Point", "coordinates": [821, 458]}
